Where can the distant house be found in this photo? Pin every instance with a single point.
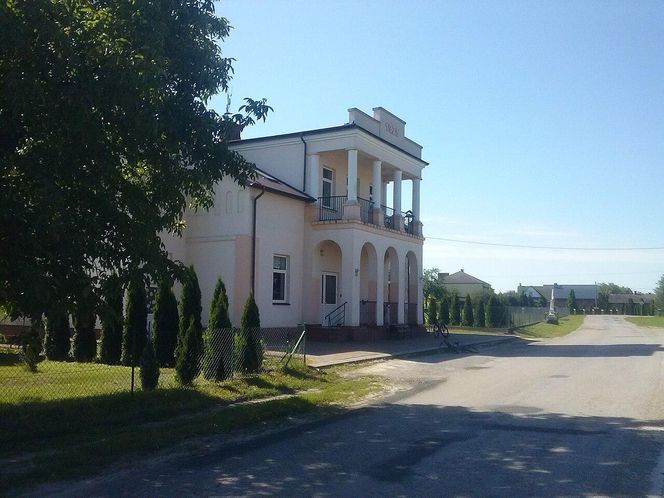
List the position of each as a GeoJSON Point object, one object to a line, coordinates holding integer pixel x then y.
{"type": "Point", "coordinates": [631, 304]}
{"type": "Point", "coordinates": [586, 295]}
{"type": "Point", "coordinates": [463, 283]}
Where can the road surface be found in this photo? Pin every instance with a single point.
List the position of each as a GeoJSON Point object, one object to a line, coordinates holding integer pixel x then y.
{"type": "Point", "coordinates": [578, 415]}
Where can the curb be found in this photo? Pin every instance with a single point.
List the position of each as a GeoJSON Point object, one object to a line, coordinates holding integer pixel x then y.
{"type": "Point", "coordinates": [406, 354]}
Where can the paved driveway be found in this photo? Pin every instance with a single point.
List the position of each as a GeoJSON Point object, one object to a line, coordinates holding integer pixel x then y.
{"type": "Point", "coordinates": [579, 415]}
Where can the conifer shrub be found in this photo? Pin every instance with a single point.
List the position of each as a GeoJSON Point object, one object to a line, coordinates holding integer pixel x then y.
{"type": "Point", "coordinates": [479, 318]}
{"type": "Point", "coordinates": [166, 323]}
{"type": "Point", "coordinates": [190, 309]}
{"type": "Point", "coordinates": [57, 335]}
{"type": "Point", "coordinates": [468, 318]}
{"type": "Point", "coordinates": [149, 372]}
{"type": "Point", "coordinates": [110, 349]}
{"type": "Point", "coordinates": [251, 322]}
{"type": "Point", "coordinates": [444, 311]}
{"type": "Point", "coordinates": [186, 364]}
{"type": "Point", "coordinates": [135, 330]}
{"type": "Point", "coordinates": [84, 342]}
{"type": "Point", "coordinates": [218, 340]}
{"type": "Point", "coordinates": [31, 345]}
{"type": "Point", "coordinates": [455, 310]}
{"type": "Point", "coordinates": [433, 311]}
{"type": "Point", "coordinates": [493, 313]}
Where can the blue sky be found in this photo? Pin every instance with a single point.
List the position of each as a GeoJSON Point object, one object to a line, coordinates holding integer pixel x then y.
{"type": "Point", "coordinates": [543, 122]}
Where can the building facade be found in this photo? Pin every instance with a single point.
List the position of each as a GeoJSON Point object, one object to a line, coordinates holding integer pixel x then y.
{"type": "Point", "coordinates": [320, 235]}
{"type": "Point", "coordinates": [464, 284]}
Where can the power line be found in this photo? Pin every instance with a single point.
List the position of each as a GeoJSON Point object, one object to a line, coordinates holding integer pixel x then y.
{"type": "Point", "coordinates": [523, 246]}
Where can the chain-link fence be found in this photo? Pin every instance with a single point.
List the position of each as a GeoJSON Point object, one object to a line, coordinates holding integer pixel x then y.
{"type": "Point", "coordinates": [520, 316]}
{"type": "Point", "coordinates": [218, 356]}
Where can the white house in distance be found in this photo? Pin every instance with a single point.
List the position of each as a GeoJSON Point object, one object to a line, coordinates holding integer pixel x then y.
{"type": "Point", "coordinates": [315, 236]}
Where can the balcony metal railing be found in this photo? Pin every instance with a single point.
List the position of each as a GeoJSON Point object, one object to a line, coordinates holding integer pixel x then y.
{"type": "Point", "coordinates": [388, 213]}
{"type": "Point", "coordinates": [331, 208]}
{"type": "Point", "coordinates": [365, 209]}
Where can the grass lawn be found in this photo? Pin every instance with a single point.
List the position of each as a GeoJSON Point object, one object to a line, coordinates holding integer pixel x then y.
{"type": "Point", "coordinates": [646, 321]}
{"type": "Point", "coordinates": [63, 429]}
{"type": "Point", "coordinates": [543, 330]}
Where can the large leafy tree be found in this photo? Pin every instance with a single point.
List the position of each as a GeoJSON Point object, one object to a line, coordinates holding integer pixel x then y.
{"type": "Point", "coordinates": [105, 136]}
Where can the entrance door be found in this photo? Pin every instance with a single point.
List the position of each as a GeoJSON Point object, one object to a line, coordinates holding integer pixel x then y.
{"type": "Point", "coordinates": [328, 296]}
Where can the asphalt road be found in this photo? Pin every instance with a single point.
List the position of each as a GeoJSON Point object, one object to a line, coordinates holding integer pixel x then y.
{"type": "Point", "coordinates": [579, 415]}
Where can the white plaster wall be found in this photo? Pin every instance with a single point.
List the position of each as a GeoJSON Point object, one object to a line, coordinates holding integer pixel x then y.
{"type": "Point", "coordinates": [338, 161]}
{"type": "Point", "coordinates": [280, 230]}
{"type": "Point", "coordinates": [282, 158]}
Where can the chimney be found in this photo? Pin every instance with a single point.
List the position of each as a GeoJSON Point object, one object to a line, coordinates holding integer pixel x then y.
{"type": "Point", "coordinates": [461, 270]}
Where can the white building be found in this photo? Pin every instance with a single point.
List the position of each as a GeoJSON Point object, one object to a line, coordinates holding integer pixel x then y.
{"type": "Point", "coordinates": [315, 235]}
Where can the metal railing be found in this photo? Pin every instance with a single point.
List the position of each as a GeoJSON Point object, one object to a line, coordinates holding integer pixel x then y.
{"type": "Point", "coordinates": [365, 209]}
{"type": "Point", "coordinates": [337, 317]}
{"type": "Point", "coordinates": [331, 208]}
{"type": "Point", "coordinates": [390, 313]}
{"type": "Point", "coordinates": [410, 312]}
{"type": "Point", "coordinates": [388, 216]}
{"type": "Point", "coordinates": [367, 312]}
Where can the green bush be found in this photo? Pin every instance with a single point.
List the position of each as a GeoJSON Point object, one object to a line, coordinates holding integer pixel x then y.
{"type": "Point", "coordinates": [218, 338]}
{"type": "Point", "coordinates": [110, 349]}
{"type": "Point", "coordinates": [251, 322]}
{"type": "Point", "coordinates": [134, 333]}
{"type": "Point", "coordinates": [149, 372]}
{"type": "Point", "coordinates": [186, 364]}
{"type": "Point", "coordinates": [468, 319]}
{"type": "Point", "coordinates": [84, 343]}
{"type": "Point", "coordinates": [57, 335]}
{"type": "Point", "coordinates": [166, 323]}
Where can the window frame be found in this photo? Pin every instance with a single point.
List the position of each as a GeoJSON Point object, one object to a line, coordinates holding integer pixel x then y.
{"type": "Point", "coordinates": [286, 280]}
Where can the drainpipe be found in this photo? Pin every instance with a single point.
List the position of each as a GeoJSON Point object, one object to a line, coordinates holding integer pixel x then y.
{"type": "Point", "coordinates": [304, 164]}
{"type": "Point", "coordinates": [253, 242]}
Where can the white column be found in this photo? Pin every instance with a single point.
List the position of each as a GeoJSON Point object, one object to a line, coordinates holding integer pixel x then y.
{"type": "Point", "coordinates": [416, 199]}
{"type": "Point", "coordinates": [352, 175]}
{"type": "Point", "coordinates": [350, 281]}
{"type": "Point", "coordinates": [377, 184]}
{"type": "Point", "coordinates": [314, 175]}
{"type": "Point", "coordinates": [403, 289]}
{"type": "Point", "coordinates": [396, 202]}
{"type": "Point", "coordinates": [380, 286]}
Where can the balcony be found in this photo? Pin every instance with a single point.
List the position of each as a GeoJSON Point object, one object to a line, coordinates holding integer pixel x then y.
{"type": "Point", "coordinates": [332, 209]}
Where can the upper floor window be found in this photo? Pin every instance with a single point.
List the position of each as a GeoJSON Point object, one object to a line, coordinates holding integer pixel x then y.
{"type": "Point", "coordinates": [280, 279]}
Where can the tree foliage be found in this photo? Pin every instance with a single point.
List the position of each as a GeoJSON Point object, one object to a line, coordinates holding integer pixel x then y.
{"type": "Point", "coordinates": [493, 313]}
{"type": "Point", "coordinates": [603, 291]}
{"type": "Point", "coordinates": [134, 333]}
{"type": "Point", "coordinates": [431, 287]}
{"type": "Point", "coordinates": [479, 318]}
{"type": "Point", "coordinates": [444, 311]}
{"type": "Point", "coordinates": [105, 136]}
{"type": "Point", "coordinates": [166, 324]}
{"type": "Point", "coordinates": [253, 350]}
{"type": "Point", "coordinates": [659, 294]}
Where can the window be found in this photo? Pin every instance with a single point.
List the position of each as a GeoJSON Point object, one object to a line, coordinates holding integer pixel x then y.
{"type": "Point", "coordinates": [328, 184]}
{"type": "Point", "coordinates": [280, 279]}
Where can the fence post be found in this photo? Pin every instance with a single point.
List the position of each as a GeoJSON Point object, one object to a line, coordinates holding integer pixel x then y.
{"type": "Point", "coordinates": [304, 344]}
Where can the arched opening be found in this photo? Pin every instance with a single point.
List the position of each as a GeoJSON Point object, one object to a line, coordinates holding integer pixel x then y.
{"type": "Point", "coordinates": [328, 256]}
{"type": "Point", "coordinates": [368, 284]}
{"type": "Point", "coordinates": [390, 287]}
{"type": "Point", "coordinates": [412, 281]}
